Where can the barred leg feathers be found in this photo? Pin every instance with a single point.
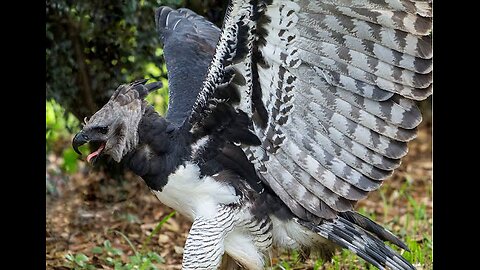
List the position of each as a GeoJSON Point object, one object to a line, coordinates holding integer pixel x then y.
{"type": "Point", "coordinates": [356, 239]}
{"type": "Point", "coordinates": [205, 242]}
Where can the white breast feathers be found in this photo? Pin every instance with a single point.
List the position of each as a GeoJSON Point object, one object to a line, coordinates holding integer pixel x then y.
{"type": "Point", "coordinates": [192, 195]}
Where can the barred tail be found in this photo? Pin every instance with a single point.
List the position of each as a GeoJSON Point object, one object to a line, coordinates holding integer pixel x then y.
{"type": "Point", "coordinates": [369, 247]}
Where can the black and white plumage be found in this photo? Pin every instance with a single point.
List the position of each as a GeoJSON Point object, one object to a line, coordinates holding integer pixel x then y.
{"type": "Point", "coordinates": [274, 132]}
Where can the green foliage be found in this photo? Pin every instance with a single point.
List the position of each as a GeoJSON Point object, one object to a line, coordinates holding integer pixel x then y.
{"type": "Point", "coordinates": [59, 123]}
{"type": "Point", "coordinates": [59, 127]}
{"type": "Point", "coordinates": [70, 160]}
{"type": "Point", "coordinates": [113, 257]}
{"type": "Point", "coordinates": [159, 98]}
{"type": "Point", "coordinates": [93, 46]}
{"type": "Point", "coordinates": [79, 261]}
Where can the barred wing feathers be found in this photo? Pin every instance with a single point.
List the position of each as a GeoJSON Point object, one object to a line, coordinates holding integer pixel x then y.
{"type": "Point", "coordinates": [327, 86]}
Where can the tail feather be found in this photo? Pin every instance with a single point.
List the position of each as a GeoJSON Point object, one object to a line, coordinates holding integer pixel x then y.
{"type": "Point", "coordinates": [372, 227]}
{"type": "Point", "coordinates": [350, 236]}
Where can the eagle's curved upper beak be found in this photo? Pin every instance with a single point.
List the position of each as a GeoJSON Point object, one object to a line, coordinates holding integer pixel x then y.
{"type": "Point", "coordinates": [79, 140]}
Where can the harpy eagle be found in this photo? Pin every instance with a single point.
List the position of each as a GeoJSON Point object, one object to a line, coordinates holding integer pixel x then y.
{"type": "Point", "coordinates": [277, 124]}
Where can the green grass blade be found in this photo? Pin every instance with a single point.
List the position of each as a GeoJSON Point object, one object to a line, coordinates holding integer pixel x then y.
{"type": "Point", "coordinates": [128, 241]}
{"type": "Point", "coordinates": [157, 229]}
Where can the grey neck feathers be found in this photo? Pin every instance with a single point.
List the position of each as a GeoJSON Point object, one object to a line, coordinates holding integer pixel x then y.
{"type": "Point", "coordinates": [126, 137]}
{"type": "Point", "coordinates": [160, 150]}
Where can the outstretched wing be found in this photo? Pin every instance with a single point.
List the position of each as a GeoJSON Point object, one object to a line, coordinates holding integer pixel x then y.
{"type": "Point", "coordinates": [328, 86]}
{"type": "Point", "coordinates": [188, 45]}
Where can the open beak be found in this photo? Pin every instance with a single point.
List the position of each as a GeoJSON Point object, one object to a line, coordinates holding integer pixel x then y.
{"type": "Point", "coordinates": [79, 140]}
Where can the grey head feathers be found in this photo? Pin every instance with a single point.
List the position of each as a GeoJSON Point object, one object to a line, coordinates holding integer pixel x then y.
{"type": "Point", "coordinates": [114, 126]}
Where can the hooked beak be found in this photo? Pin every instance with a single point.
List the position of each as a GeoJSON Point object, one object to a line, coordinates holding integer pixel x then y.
{"type": "Point", "coordinates": [79, 140]}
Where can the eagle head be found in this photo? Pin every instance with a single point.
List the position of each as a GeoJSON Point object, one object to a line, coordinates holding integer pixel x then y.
{"type": "Point", "coordinates": [112, 130]}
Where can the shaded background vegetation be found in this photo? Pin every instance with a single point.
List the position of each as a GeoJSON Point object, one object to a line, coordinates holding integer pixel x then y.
{"type": "Point", "coordinates": [104, 220]}
{"type": "Point", "coordinates": [93, 46]}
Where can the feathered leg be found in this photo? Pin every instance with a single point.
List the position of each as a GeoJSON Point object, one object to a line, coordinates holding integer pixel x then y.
{"type": "Point", "coordinates": [205, 242]}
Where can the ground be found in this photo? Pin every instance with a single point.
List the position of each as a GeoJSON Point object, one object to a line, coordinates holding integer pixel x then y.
{"type": "Point", "coordinates": [94, 222]}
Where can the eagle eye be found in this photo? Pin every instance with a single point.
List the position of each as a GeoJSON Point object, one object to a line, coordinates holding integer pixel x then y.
{"type": "Point", "coordinates": [103, 130]}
